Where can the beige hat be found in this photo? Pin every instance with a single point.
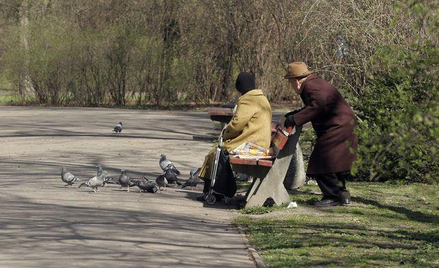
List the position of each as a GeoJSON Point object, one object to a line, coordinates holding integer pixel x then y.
{"type": "Point", "coordinates": [297, 69]}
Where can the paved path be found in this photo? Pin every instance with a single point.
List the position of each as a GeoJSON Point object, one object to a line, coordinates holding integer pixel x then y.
{"type": "Point", "coordinates": [44, 224]}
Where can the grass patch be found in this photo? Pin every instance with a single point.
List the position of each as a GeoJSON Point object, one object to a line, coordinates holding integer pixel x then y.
{"type": "Point", "coordinates": [261, 210]}
{"type": "Point", "coordinates": [386, 226]}
{"type": "Point", "coordinates": [9, 100]}
{"type": "Point", "coordinates": [16, 100]}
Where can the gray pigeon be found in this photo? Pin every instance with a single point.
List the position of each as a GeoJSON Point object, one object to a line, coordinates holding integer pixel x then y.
{"type": "Point", "coordinates": [118, 128]}
{"type": "Point", "coordinates": [193, 179]}
{"type": "Point", "coordinates": [107, 179]}
{"type": "Point", "coordinates": [146, 185]}
{"type": "Point", "coordinates": [95, 182]}
{"type": "Point", "coordinates": [171, 177]}
{"type": "Point", "coordinates": [165, 164]}
{"type": "Point", "coordinates": [68, 177]}
{"type": "Point", "coordinates": [100, 170]}
{"type": "Point", "coordinates": [124, 180]}
{"type": "Point", "coordinates": [161, 181]}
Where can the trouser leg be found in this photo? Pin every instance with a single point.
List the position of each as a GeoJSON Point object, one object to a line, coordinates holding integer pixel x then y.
{"type": "Point", "coordinates": [342, 180]}
{"type": "Point", "coordinates": [344, 194]}
{"type": "Point", "coordinates": [207, 183]}
{"type": "Point", "coordinates": [331, 185]}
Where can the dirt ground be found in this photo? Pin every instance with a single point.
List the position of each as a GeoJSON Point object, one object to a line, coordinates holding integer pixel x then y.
{"type": "Point", "coordinates": [45, 224]}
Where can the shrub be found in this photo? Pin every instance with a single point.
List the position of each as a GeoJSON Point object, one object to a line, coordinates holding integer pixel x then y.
{"type": "Point", "coordinates": [399, 110]}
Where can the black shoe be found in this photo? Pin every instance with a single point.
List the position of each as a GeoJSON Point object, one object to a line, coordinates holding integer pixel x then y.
{"type": "Point", "coordinates": [345, 198]}
{"type": "Point", "coordinates": [201, 198]}
{"type": "Point", "coordinates": [328, 203]}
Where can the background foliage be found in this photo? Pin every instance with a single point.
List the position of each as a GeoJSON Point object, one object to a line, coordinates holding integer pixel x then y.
{"type": "Point", "coordinates": [173, 52]}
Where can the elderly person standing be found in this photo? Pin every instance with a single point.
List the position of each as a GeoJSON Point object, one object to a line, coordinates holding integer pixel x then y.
{"type": "Point", "coordinates": [250, 122]}
{"type": "Point", "coordinates": [333, 121]}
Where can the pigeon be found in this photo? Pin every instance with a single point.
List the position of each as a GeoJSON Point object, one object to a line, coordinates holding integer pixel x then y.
{"type": "Point", "coordinates": [165, 164]}
{"type": "Point", "coordinates": [124, 180]}
{"type": "Point", "coordinates": [146, 185]}
{"type": "Point", "coordinates": [111, 180]}
{"type": "Point", "coordinates": [161, 181]}
{"type": "Point", "coordinates": [99, 170]}
{"type": "Point", "coordinates": [107, 180]}
{"type": "Point", "coordinates": [118, 128]}
{"type": "Point", "coordinates": [193, 179]}
{"type": "Point", "coordinates": [95, 182]}
{"type": "Point", "coordinates": [171, 177]}
{"type": "Point", "coordinates": [68, 177]}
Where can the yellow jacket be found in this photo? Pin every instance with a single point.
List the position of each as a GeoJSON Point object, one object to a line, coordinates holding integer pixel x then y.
{"type": "Point", "coordinates": [251, 121]}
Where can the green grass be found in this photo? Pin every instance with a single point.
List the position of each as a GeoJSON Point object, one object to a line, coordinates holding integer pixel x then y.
{"type": "Point", "coordinates": [8, 99]}
{"type": "Point", "coordinates": [386, 226]}
{"type": "Point", "coordinates": [14, 99]}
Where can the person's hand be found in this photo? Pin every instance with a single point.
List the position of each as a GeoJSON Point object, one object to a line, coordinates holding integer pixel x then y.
{"type": "Point", "coordinates": [289, 121]}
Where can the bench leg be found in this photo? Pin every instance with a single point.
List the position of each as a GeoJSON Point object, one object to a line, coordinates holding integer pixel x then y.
{"type": "Point", "coordinates": [296, 175]}
{"type": "Point", "coordinates": [280, 196]}
{"type": "Point", "coordinates": [270, 186]}
{"type": "Point", "coordinates": [253, 188]}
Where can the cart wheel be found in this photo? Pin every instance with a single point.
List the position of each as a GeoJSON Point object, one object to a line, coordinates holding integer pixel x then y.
{"type": "Point", "coordinates": [210, 199]}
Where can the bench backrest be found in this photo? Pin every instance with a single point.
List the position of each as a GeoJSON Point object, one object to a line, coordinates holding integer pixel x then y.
{"type": "Point", "coordinates": [218, 111]}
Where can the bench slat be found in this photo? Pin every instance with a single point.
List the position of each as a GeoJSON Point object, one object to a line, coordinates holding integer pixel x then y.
{"type": "Point", "coordinates": [217, 111]}
{"type": "Point", "coordinates": [265, 163]}
{"type": "Point", "coordinates": [251, 162]}
{"type": "Point", "coordinates": [223, 115]}
{"type": "Point", "coordinates": [241, 161]}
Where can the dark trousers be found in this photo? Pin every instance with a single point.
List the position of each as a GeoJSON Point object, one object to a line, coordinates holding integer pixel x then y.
{"type": "Point", "coordinates": [332, 185]}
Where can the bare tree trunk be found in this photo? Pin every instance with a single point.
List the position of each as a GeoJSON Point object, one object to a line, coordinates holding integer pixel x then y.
{"type": "Point", "coordinates": [25, 86]}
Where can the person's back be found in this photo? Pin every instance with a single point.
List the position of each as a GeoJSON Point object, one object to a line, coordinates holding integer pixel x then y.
{"type": "Point", "coordinates": [251, 122]}
{"type": "Point", "coordinates": [335, 112]}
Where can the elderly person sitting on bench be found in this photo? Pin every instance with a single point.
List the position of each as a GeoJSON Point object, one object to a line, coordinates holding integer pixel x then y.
{"type": "Point", "coordinates": [250, 122]}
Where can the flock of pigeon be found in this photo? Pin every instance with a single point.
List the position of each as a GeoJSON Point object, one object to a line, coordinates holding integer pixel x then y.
{"type": "Point", "coordinates": [167, 178]}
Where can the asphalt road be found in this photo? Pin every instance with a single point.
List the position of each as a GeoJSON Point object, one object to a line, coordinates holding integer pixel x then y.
{"type": "Point", "coordinates": [45, 224]}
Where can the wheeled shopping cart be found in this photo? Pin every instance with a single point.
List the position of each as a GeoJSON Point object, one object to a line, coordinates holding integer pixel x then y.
{"type": "Point", "coordinates": [222, 182]}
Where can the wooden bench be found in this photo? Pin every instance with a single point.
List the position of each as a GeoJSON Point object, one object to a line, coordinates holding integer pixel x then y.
{"type": "Point", "coordinates": [269, 174]}
{"type": "Point", "coordinates": [219, 114]}
{"type": "Point", "coordinates": [223, 115]}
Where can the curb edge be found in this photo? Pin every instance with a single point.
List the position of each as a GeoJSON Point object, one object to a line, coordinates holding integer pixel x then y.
{"type": "Point", "coordinates": [254, 255]}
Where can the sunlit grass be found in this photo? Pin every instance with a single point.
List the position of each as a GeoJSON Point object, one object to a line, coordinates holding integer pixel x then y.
{"type": "Point", "coordinates": [9, 99]}
{"type": "Point", "coordinates": [386, 226]}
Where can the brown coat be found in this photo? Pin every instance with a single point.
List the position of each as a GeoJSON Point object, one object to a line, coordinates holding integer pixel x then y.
{"type": "Point", "coordinates": [333, 121]}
